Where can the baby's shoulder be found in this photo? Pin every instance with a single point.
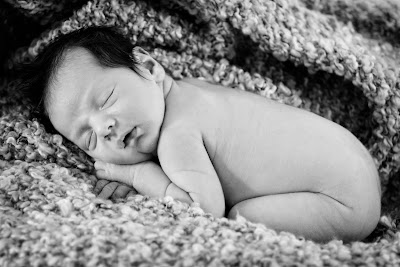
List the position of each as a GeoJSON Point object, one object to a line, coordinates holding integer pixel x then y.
{"type": "Point", "coordinates": [193, 113]}
{"type": "Point", "coordinates": [178, 135]}
{"type": "Point", "coordinates": [178, 113]}
{"type": "Point", "coordinates": [188, 106]}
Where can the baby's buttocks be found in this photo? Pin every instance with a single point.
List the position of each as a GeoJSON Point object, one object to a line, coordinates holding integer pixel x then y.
{"type": "Point", "coordinates": [260, 147]}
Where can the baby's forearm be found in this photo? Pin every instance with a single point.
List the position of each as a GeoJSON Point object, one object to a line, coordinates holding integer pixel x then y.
{"type": "Point", "coordinates": [149, 179]}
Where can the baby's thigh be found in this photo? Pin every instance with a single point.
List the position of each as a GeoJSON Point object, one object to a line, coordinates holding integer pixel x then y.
{"type": "Point", "coordinates": [313, 215]}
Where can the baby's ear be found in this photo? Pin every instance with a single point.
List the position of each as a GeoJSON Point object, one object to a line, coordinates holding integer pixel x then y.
{"type": "Point", "coordinates": [146, 62]}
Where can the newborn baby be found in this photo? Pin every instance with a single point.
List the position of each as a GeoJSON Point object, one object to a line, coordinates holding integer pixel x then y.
{"type": "Point", "coordinates": [234, 152]}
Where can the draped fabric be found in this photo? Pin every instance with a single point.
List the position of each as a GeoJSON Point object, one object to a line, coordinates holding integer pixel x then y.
{"type": "Point", "coordinates": [336, 58]}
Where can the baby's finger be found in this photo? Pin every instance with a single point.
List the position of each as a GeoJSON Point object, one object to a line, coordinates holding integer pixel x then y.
{"type": "Point", "coordinates": [98, 164]}
{"type": "Point", "coordinates": [121, 191]}
{"type": "Point", "coordinates": [108, 190]}
{"type": "Point", "coordinates": [113, 172]}
{"type": "Point", "coordinates": [99, 185]}
{"type": "Point", "coordinates": [132, 193]}
{"type": "Point", "coordinates": [101, 174]}
{"type": "Point", "coordinates": [103, 170]}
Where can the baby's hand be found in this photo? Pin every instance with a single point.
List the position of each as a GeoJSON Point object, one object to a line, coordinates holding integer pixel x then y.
{"type": "Point", "coordinates": [114, 190]}
{"type": "Point", "coordinates": [146, 177]}
{"type": "Point", "coordinates": [113, 172]}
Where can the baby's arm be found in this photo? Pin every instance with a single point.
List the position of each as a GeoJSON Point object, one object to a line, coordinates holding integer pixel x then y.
{"type": "Point", "coordinates": [185, 160]}
{"type": "Point", "coordinates": [189, 174]}
{"type": "Point", "coordinates": [146, 177]}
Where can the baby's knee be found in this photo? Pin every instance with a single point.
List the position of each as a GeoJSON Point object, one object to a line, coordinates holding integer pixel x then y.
{"type": "Point", "coordinates": [358, 226]}
{"type": "Point", "coordinates": [366, 208]}
{"type": "Point", "coordinates": [360, 207]}
{"type": "Point", "coordinates": [361, 218]}
{"type": "Point", "coordinates": [367, 215]}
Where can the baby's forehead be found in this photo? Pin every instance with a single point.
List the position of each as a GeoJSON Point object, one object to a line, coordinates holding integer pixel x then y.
{"type": "Point", "coordinates": [77, 57]}
{"type": "Point", "coordinates": [74, 70]}
{"type": "Point", "coordinates": [76, 64]}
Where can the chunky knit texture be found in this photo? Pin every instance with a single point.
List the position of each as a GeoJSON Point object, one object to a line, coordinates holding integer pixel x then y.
{"type": "Point", "coordinates": [338, 59]}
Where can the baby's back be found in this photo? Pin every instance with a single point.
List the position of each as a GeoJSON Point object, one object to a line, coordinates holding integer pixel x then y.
{"type": "Point", "coordinates": [261, 147]}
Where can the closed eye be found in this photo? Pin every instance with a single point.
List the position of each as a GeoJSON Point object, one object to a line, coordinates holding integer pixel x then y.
{"type": "Point", "coordinates": [108, 98]}
{"type": "Point", "coordinates": [89, 140]}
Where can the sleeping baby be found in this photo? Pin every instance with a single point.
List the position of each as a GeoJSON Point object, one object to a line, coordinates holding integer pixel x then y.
{"type": "Point", "coordinates": [232, 151]}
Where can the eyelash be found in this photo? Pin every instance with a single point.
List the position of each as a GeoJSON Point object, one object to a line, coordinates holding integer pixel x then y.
{"type": "Point", "coordinates": [90, 138]}
{"type": "Point", "coordinates": [108, 98]}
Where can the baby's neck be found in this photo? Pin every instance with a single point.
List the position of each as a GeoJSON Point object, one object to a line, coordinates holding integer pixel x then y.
{"type": "Point", "coordinates": [167, 84]}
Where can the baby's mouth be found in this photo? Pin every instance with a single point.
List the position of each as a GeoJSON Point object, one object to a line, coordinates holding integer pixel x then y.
{"type": "Point", "coordinates": [129, 137]}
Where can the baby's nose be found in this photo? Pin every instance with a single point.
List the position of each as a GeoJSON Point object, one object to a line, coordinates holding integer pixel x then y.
{"type": "Point", "coordinates": [106, 128]}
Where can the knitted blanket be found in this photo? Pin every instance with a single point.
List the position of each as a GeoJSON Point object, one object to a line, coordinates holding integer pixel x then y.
{"type": "Point", "coordinates": [336, 58]}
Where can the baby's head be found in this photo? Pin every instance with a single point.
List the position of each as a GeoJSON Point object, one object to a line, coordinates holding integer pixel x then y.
{"type": "Point", "coordinates": [101, 94]}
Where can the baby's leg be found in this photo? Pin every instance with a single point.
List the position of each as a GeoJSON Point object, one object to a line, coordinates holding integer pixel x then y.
{"type": "Point", "coordinates": [313, 215]}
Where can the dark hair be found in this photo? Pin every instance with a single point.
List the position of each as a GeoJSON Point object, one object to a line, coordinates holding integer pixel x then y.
{"type": "Point", "coordinates": [110, 47]}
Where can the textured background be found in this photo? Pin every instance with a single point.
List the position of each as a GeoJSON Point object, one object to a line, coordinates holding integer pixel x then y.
{"type": "Point", "coordinates": [336, 58]}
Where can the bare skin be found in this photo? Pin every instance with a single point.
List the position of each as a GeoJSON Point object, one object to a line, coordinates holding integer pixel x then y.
{"type": "Point", "coordinates": [232, 151]}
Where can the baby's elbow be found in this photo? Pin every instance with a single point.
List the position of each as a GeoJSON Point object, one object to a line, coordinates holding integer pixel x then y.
{"type": "Point", "coordinates": [220, 211]}
{"type": "Point", "coordinates": [217, 209]}
{"type": "Point", "coordinates": [213, 205]}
